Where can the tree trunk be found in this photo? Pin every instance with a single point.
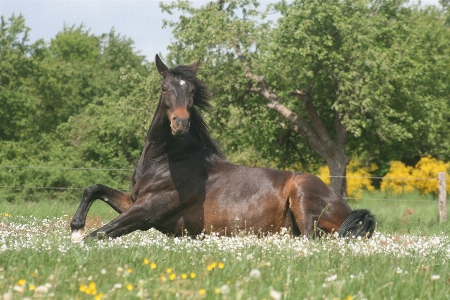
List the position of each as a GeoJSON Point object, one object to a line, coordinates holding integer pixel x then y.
{"type": "Point", "coordinates": [338, 181]}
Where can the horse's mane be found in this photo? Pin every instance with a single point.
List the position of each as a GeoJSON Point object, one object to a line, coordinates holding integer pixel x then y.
{"type": "Point", "coordinates": [201, 103]}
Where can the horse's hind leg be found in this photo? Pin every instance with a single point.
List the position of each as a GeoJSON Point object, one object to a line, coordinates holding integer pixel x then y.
{"type": "Point", "coordinates": [133, 219]}
{"type": "Point", "coordinates": [315, 206]}
{"type": "Point", "coordinates": [118, 200]}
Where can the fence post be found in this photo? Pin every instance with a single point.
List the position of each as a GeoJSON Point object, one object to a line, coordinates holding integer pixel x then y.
{"type": "Point", "coordinates": [442, 197]}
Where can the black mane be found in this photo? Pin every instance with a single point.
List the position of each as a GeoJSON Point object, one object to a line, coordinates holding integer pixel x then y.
{"type": "Point", "coordinates": [202, 97]}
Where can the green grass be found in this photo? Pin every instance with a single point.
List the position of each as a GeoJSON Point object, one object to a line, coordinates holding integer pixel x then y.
{"type": "Point", "coordinates": [407, 259]}
{"type": "Point", "coordinates": [407, 213]}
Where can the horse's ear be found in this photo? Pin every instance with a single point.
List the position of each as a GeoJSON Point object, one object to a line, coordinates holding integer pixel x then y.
{"type": "Point", "coordinates": [195, 66]}
{"type": "Point", "coordinates": [162, 68]}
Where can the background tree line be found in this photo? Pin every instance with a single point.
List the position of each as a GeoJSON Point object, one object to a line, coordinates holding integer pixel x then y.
{"type": "Point", "coordinates": [325, 82]}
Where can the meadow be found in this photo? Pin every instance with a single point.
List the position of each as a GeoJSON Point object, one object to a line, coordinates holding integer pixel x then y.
{"type": "Point", "coordinates": [408, 258]}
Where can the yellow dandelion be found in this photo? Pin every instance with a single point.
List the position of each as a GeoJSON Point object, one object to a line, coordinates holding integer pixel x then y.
{"type": "Point", "coordinates": [162, 278]}
{"type": "Point", "coordinates": [7, 215]}
{"type": "Point", "coordinates": [168, 270]}
{"type": "Point", "coordinates": [88, 291]}
{"type": "Point", "coordinates": [192, 275]}
{"type": "Point", "coordinates": [221, 265]}
{"type": "Point", "coordinates": [152, 265]}
{"type": "Point", "coordinates": [213, 264]}
{"type": "Point", "coordinates": [92, 285]}
{"type": "Point", "coordinates": [21, 282]}
{"type": "Point", "coordinates": [184, 276]}
{"type": "Point", "coordinates": [202, 292]}
{"type": "Point", "coordinates": [31, 287]}
{"type": "Point", "coordinates": [146, 261]}
{"type": "Point", "coordinates": [129, 270]}
{"type": "Point", "coordinates": [349, 297]}
{"type": "Point", "coordinates": [129, 287]}
{"type": "Point", "coordinates": [99, 296]}
{"type": "Point", "coordinates": [217, 291]}
{"type": "Point", "coordinates": [173, 276]}
{"type": "Point", "coordinates": [209, 268]}
{"type": "Point", "coordinates": [83, 288]}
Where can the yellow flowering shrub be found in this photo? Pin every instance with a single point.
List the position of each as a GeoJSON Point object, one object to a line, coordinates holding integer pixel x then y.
{"type": "Point", "coordinates": [399, 179]}
{"type": "Point", "coordinates": [429, 167]}
{"type": "Point", "coordinates": [421, 177]}
{"type": "Point", "coordinates": [357, 178]}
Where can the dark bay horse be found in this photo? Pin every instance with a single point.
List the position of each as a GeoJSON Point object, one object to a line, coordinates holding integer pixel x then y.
{"type": "Point", "coordinates": [183, 183]}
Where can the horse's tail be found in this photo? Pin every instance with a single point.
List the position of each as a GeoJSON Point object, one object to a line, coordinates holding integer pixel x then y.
{"type": "Point", "coordinates": [360, 222]}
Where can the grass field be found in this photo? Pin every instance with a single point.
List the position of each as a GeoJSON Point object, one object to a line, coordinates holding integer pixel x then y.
{"type": "Point", "coordinates": [408, 258]}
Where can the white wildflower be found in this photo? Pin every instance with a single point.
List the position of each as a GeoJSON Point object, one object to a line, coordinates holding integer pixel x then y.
{"type": "Point", "coordinates": [435, 277]}
{"type": "Point", "coordinates": [331, 278]}
{"type": "Point", "coordinates": [118, 286]}
{"type": "Point", "coordinates": [225, 289]}
{"type": "Point", "coordinates": [42, 289]}
{"type": "Point", "coordinates": [8, 296]}
{"type": "Point", "coordinates": [18, 289]}
{"type": "Point", "coordinates": [255, 274]}
{"type": "Point", "coordinates": [275, 295]}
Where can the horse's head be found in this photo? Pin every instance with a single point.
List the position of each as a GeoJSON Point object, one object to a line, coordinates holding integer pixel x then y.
{"type": "Point", "coordinates": [177, 97]}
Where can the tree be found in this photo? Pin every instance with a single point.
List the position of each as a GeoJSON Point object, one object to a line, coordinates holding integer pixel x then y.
{"type": "Point", "coordinates": [17, 68]}
{"type": "Point", "coordinates": [80, 69]}
{"type": "Point", "coordinates": [346, 76]}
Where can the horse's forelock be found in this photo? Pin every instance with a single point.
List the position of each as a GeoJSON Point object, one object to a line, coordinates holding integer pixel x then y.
{"type": "Point", "coordinates": [202, 95]}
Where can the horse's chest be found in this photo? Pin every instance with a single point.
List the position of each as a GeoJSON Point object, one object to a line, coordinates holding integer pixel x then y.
{"type": "Point", "coordinates": [182, 180]}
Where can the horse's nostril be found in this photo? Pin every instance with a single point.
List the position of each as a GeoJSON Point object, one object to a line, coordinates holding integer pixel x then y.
{"type": "Point", "coordinates": [174, 118]}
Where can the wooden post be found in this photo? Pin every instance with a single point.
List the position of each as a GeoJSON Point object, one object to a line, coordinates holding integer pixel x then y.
{"type": "Point", "coordinates": [442, 197]}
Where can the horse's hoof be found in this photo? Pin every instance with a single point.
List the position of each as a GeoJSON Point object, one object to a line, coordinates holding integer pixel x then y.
{"type": "Point", "coordinates": [77, 235]}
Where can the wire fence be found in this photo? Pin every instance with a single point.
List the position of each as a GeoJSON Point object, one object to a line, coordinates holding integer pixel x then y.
{"type": "Point", "coordinates": [130, 169]}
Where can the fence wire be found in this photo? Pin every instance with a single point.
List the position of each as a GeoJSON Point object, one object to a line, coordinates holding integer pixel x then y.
{"type": "Point", "coordinates": [64, 168]}
{"type": "Point", "coordinates": [130, 169]}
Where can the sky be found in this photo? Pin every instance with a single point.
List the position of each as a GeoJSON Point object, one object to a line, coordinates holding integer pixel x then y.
{"type": "Point", "coordinates": [140, 20]}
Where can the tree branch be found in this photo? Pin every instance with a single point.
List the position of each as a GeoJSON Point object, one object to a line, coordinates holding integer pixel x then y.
{"type": "Point", "coordinates": [314, 117]}
{"type": "Point", "coordinates": [301, 126]}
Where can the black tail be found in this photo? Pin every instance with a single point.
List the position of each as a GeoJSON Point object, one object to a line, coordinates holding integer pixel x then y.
{"type": "Point", "coordinates": [360, 222]}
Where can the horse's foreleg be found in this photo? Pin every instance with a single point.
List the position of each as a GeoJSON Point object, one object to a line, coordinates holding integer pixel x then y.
{"type": "Point", "coordinates": [118, 200]}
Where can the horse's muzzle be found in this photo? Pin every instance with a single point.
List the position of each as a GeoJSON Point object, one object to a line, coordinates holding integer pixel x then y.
{"type": "Point", "coordinates": [180, 126]}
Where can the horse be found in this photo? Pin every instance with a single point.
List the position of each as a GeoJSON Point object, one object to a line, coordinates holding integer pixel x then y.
{"type": "Point", "coordinates": [183, 184]}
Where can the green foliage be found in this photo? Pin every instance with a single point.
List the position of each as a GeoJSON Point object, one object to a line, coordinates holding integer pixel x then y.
{"type": "Point", "coordinates": [17, 100]}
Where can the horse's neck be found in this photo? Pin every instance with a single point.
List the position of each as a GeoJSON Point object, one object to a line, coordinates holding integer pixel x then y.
{"type": "Point", "coordinates": [160, 143]}
{"type": "Point", "coordinates": [154, 148]}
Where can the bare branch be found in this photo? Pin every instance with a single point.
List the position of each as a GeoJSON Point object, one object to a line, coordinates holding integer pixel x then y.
{"type": "Point", "coordinates": [301, 126]}
{"type": "Point", "coordinates": [314, 117]}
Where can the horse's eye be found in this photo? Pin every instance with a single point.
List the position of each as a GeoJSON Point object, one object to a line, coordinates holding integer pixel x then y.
{"type": "Point", "coordinates": [164, 89]}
